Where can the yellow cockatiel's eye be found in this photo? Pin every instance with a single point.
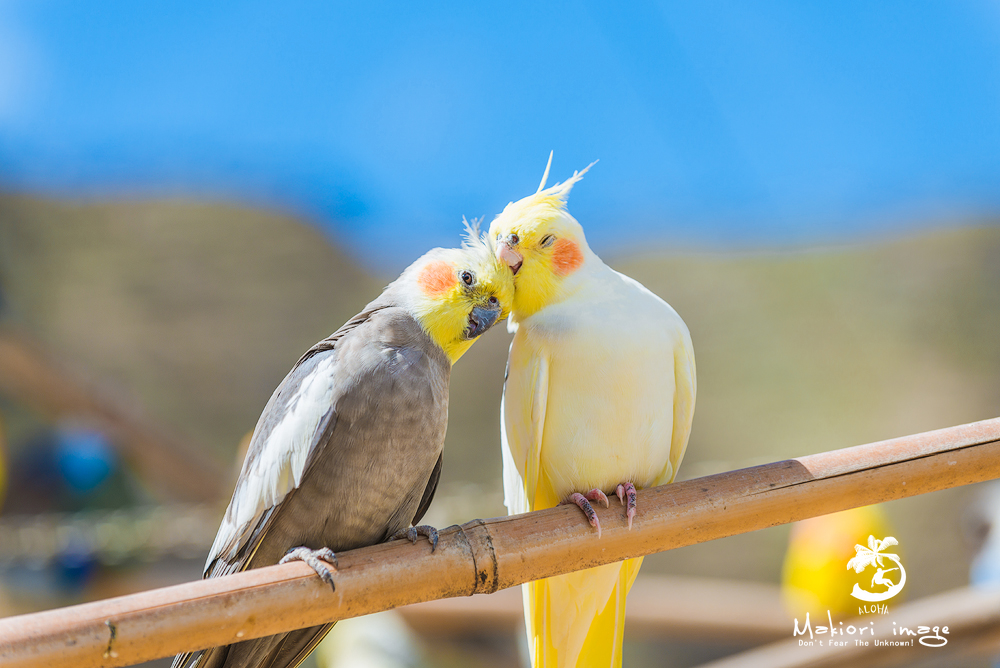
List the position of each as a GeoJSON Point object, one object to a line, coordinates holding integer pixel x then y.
{"type": "Point", "coordinates": [468, 278]}
{"type": "Point", "coordinates": [548, 240]}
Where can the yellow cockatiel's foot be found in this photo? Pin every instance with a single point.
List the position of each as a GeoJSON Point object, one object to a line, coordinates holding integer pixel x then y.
{"type": "Point", "coordinates": [627, 489]}
{"type": "Point", "coordinates": [583, 501]}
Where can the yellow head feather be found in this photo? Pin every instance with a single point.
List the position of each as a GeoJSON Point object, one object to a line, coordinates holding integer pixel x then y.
{"type": "Point", "coordinates": [550, 241]}
{"type": "Point", "coordinates": [460, 292]}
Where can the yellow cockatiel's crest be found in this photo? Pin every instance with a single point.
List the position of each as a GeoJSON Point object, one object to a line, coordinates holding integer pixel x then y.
{"type": "Point", "coordinates": [544, 205]}
{"type": "Point", "coordinates": [543, 230]}
{"type": "Point", "coordinates": [599, 397]}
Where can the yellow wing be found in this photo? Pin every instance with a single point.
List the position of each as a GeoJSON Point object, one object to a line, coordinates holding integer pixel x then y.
{"type": "Point", "coordinates": [685, 391]}
{"type": "Point", "coordinates": [522, 408]}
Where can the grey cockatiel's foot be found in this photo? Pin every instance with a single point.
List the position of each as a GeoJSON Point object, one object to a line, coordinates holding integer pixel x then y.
{"type": "Point", "coordinates": [413, 532]}
{"type": "Point", "coordinates": [323, 561]}
{"type": "Point", "coordinates": [583, 501]}
{"type": "Point", "coordinates": [627, 490]}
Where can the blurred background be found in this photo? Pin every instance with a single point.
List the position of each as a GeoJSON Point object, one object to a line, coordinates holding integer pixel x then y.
{"type": "Point", "coordinates": [192, 195]}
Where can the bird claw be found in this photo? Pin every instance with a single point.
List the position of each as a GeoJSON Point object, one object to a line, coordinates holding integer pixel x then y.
{"type": "Point", "coordinates": [421, 530]}
{"type": "Point", "coordinates": [323, 561]}
{"type": "Point", "coordinates": [626, 494]}
{"type": "Point", "coordinates": [627, 489]}
{"type": "Point", "coordinates": [588, 510]}
{"type": "Point", "coordinates": [597, 495]}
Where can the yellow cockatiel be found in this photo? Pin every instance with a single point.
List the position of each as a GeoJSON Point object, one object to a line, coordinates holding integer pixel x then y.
{"type": "Point", "coordinates": [598, 400]}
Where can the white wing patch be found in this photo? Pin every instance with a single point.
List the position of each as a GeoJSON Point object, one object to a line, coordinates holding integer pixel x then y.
{"type": "Point", "coordinates": [279, 467]}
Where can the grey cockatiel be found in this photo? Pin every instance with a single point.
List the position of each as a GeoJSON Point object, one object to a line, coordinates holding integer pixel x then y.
{"type": "Point", "coordinates": [348, 450]}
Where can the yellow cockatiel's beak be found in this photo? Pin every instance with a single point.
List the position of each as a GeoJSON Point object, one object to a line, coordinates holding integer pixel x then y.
{"type": "Point", "coordinates": [509, 256]}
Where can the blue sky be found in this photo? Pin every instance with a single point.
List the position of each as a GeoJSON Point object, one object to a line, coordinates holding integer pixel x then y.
{"type": "Point", "coordinates": [717, 125]}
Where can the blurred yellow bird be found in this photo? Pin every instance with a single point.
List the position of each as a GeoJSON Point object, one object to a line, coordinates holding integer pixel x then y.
{"type": "Point", "coordinates": [598, 400]}
{"type": "Point", "coordinates": [815, 577]}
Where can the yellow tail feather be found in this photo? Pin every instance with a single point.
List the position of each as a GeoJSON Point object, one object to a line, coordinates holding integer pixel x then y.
{"type": "Point", "coordinates": [577, 620]}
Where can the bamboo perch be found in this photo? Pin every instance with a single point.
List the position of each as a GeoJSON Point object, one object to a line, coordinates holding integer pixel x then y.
{"type": "Point", "coordinates": [484, 556]}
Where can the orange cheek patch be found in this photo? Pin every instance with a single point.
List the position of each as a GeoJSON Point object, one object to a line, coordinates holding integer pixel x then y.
{"type": "Point", "coordinates": [437, 278]}
{"type": "Point", "coordinates": [566, 257]}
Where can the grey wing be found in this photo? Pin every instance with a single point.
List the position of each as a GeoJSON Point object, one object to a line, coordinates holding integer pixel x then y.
{"type": "Point", "coordinates": [432, 483]}
{"type": "Point", "coordinates": [299, 415]}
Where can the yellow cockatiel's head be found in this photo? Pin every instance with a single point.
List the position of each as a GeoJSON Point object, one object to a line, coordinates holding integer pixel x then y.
{"type": "Point", "coordinates": [456, 294]}
{"type": "Point", "coordinates": [542, 245]}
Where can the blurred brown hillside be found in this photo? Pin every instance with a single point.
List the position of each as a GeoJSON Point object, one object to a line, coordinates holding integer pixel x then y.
{"type": "Point", "coordinates": [193, 311]}
{"type": "Point", "coordinates": [196, 311]}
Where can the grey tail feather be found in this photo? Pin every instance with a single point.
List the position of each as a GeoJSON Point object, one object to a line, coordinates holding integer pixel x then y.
{"type": "Point", "coordinates": [199, 659]}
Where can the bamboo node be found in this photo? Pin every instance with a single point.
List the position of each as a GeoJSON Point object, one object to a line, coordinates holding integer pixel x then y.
{"type": "Point", "coordinates": [110, 653]}
{"type": "Point", "coordinates": [484, 558]}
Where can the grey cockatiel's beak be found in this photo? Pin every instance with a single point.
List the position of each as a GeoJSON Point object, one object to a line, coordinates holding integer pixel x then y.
{"type": "Point", "coordinates": [481, 319]}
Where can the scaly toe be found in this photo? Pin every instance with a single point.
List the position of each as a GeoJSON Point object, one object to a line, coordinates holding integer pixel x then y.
{"type": "Point", "coordinates": [597, 495]}
{"type": "Point", "coordinates": [323, 561]}
{"type": "Point", "coordinates": [327, 555]}
{"type": "Point", "coordinates": [588, 510]}
{"type": "Point", "coordinates": [628, 490]}
{"type": "Point", "coordinates": [413, 533]}
{"type": "Point", "coordinates": [429, 532]}
{"type": "Point", "coordinates": [409, 533]}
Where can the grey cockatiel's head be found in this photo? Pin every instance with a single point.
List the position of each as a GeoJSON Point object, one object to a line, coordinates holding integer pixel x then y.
{"type": "Point", "coordinates": [456, 294]}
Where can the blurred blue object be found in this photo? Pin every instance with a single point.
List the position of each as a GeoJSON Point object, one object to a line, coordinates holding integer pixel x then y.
{"type": "Point", "coordinates": [74, 566]}
{"type": "Point", "coordinates": [67, 573]}
{"type": "Point", "coordinates": [68, 467]}
{"type": "Point", "coordinates": [84, 457]}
